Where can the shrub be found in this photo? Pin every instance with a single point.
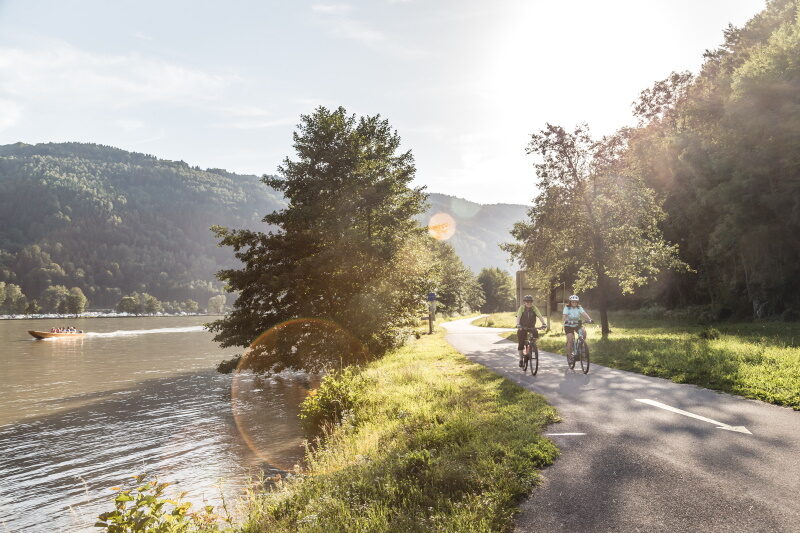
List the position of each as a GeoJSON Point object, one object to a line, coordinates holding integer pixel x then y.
{"type": "Point", "coordinates": [709, 333]}
{"type": "Point", "coordinates": [338, 393]}
{"type": "Point", "coordinates": [790, 315]}
{"type": "Point", "coordinates": [146, 509]}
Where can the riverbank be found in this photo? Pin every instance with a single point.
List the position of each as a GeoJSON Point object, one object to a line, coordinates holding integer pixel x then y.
{"type": "Point", "coordinates": [435, 443]}
{"type": "Point", "coordinates": [96, 314]}
{"type": "Point", "coordinates": [758, 360]}
{"type": "Point", "coordinates": [431, 442]}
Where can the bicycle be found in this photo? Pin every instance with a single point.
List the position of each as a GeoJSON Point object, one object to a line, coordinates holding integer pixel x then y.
{"type": "Point", "coordinates": [580, 349]}
{"type": "Point", "coordinates": [530, 354]}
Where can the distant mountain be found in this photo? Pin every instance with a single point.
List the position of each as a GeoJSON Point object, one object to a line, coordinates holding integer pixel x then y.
{"type": "Point", "coordinates": [112, 222]}
{"type": "Point", "coordinates": [479, 229]}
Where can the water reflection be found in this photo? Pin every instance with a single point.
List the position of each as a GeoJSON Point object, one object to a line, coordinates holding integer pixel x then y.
{"type": "Point", "coordinates": [81, 416]}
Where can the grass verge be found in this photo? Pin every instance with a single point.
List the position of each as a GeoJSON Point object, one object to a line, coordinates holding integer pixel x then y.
{"type": "Point", "coordinates": [755, 360]}
{"type": "Point", "coordinates": [496, 320]}
{"type": "Point", "coordinates": [437, 443]}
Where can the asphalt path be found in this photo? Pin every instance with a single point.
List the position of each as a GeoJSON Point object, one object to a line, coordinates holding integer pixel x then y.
{"type": "Point", "coordinates": [715, 462]}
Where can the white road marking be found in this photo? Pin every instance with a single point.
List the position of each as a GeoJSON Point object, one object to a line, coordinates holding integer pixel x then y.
{"type": "Point", "coordinates": [562, 434]}
{"type": "Point", "coordinates": [720, 425]}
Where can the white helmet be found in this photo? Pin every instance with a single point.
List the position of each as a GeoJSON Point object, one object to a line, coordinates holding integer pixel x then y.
{"type": "Point", "coordinates": [574, 298]}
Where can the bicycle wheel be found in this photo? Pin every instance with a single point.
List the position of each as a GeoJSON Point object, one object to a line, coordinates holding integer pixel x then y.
{"type": "Point", "coordinates": [535, 361]}
{"type": "Point", "coordinates": [526, 358]}
{"type": "Point", "coordinates": [584, 351]}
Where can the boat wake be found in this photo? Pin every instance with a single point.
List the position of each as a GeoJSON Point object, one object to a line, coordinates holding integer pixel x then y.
{"type": "Point", "coordinates": [126, 332]}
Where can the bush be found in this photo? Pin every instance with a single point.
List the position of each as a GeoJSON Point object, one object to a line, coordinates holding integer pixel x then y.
{"type": "Point", "coordinates": [145, 508]}
{"type": "Point", "coordinates": [653, 311]}
{"type": "Point", "coordinates": [338, 393]}
{"type": "Point", "coordinates": [790, 315]}
{"type": "Point", "coordinates": [709, 333]}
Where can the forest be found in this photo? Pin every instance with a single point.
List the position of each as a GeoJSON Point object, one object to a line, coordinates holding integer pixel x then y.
{"type": "Point", "coordinates": [111, 222]}
{"type": "Point", "coordinates": [698, 204]}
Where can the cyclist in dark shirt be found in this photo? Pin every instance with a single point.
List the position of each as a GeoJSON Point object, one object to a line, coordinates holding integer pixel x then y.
{"type": "Point", "coordinates": [526, 318]}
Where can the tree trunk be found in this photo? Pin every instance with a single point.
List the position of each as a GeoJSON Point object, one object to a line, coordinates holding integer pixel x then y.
{"type": "Point", "coordinates": [602, 289]}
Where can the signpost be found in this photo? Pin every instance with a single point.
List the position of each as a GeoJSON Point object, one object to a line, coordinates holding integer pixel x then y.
{"type": "Point", "coordinates": [431, 311]}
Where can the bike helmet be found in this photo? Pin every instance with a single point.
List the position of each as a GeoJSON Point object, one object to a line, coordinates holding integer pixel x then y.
{"type": "Point", "coordinates": [574, 298]}
{"type": "Point", "coordinates": [528, 298]}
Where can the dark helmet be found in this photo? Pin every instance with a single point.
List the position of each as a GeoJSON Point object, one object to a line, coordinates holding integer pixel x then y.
{"type": "Point", "coordinates": [528, 298]}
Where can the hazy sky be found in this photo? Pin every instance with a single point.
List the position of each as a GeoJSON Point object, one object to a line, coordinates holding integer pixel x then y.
{"type": "Point", "coordinates": [222, 84]}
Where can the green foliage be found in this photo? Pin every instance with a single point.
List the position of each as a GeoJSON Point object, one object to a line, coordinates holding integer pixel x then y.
{"type": "Point", "coordinates": [76, 301]}
{"type": "Point", "coordinates": [190, 306]}
{"type": "Point", "coordinates": [112, 222]}
{"type": "Point", "coordinates": [722, 149]}
{"type": "Point", "coordinates": [709, 333]}
{"type": "Point", "coordinates": [437, 444]}
{"type": "Point", "coordinates": [497, 320]}
{"type": "Point", "coordinates": [216, 304]}
{"type": "Point", "coordinates": [140, 304]}
{"type": "Point", "coordinates": [12, 299]}
{"type": "Point", "coordinates": [457, 289]}
{"type": "Point", "coordinates": [499, 290]}
{"type": "Point", "coordinates": [145, 508]}
{"type": "Point", "coordinates": [594, 217]}
{"type": "Point", "coordinates": [339, 393]}
{"type": "Point", "coordinates": [346, 250]}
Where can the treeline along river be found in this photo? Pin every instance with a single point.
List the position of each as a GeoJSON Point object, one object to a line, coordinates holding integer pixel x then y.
{"type": "Point", "coordinates": [136, 395]}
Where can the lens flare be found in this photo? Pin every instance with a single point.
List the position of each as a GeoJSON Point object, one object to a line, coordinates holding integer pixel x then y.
{"type": "Point", "coordinates": [265, 409]}
{"type": "Point", "coordinates": [441, 226]}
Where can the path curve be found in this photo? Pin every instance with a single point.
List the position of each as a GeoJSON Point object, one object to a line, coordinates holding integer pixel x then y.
{"type": "Point", "coordinates": [628, 465]}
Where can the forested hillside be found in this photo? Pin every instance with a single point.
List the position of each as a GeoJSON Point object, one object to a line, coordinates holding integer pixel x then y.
{"type": "Point", "coordinates": [111, 222]}
{"type": "Point", "coordinates": [723, 150]}
{"type": "Point", "coordinates": [479, 229]}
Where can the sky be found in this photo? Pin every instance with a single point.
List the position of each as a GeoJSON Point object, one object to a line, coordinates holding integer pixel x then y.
{"type": "Point", "coordinates": [464, 82]}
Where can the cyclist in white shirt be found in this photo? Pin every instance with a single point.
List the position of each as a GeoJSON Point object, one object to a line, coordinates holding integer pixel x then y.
{"type": "Point", "coordinates": [573, 312]}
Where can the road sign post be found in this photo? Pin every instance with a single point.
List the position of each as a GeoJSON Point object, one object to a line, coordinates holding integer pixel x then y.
{"type": "Point", "coordinates": [431, 311]}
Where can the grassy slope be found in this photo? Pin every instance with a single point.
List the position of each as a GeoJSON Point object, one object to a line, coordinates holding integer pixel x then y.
{"type": "Point", "coordinates": [439, 443]}
{"type": "Point", "coordinates": [755, 360]}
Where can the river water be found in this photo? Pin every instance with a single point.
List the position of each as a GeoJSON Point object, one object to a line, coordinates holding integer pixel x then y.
{"type": "Point", "coordinates": [136, 395]}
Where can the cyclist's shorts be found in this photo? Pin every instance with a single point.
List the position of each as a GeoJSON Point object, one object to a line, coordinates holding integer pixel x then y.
{"type": "Point", "coordinates": [571, 329]}
{"type": "Point", "coordinates": [534, 333]}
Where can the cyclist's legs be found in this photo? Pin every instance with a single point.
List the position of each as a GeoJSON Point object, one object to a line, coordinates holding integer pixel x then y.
{"type": "Point", "coordinates": [570, 341]}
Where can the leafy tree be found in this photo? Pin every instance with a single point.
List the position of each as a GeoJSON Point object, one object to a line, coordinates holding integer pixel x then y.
{"type": "Point", "coordinates": [721, 149]}
{"type": "Point", "coordinates": [457, 289]}
{"type": "Point", "coordinates": [346, 250]}
{"type": "Point", "coordinates": [149, 304]}
{"type": "Point", "coordinates": [594, 214]}
{"type": "Point", "coordinates": [14, 300]}
{"type": "Point", "coordinates": [54, 299]}
{"type": "Point", "coordinates": [128, 304]}
{"type": "Point", "coordinates": [33, 308]}
{"type": "Point", "coordinates": [499, 290]}
{"type": "Point", "coordinates": [190, 306]}
{"type": "Point", "coordinates": [216, 304]}
{"type": "Point", "coordinates": [76, 301]}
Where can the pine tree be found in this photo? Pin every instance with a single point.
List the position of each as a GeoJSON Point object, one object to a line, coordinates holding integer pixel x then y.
{"type": "Point", "coordinates": [346, 249]}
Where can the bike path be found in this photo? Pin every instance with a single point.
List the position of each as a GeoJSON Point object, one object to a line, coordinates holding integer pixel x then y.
{"type": "Point", "coordinates": [627, 465]}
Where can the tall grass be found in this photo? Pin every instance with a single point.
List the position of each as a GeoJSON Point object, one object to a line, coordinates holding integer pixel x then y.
{"type": "Point", "coordinates": [436, 444]}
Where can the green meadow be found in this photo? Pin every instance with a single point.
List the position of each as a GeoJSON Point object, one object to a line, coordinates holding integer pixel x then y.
{"type": "Point", "coordinates": [759, 360]}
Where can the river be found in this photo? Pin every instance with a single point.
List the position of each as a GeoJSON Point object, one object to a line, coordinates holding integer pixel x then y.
{"type": "Point", "coordinates": [135, 395]}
